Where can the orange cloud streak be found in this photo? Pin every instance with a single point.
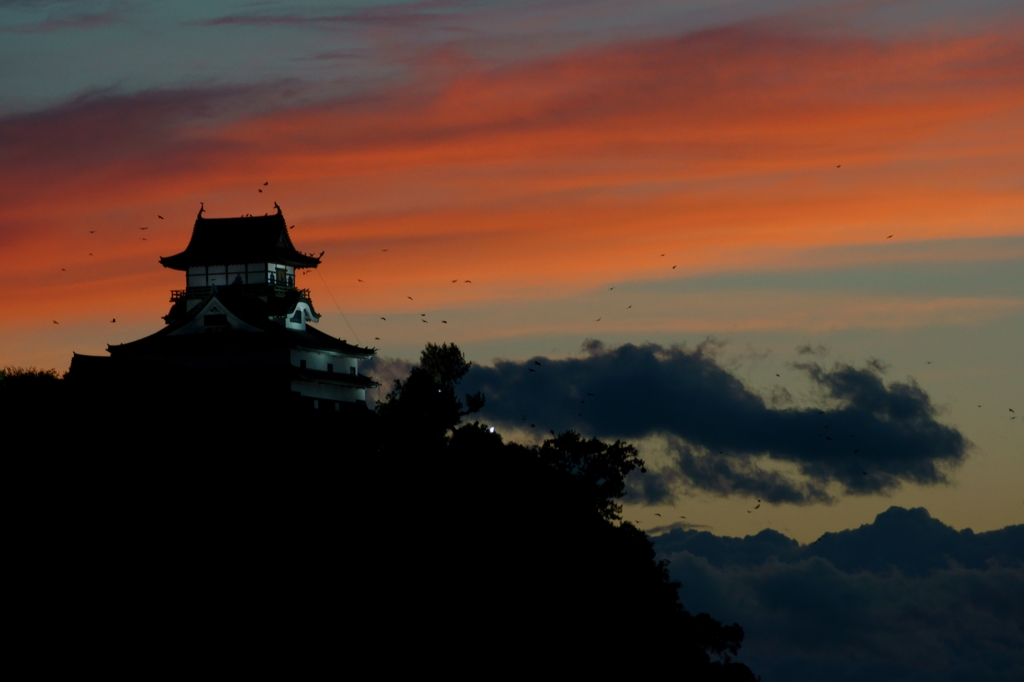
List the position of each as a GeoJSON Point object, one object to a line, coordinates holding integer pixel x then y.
{"type": "Point", "coordinates": [720, 149]}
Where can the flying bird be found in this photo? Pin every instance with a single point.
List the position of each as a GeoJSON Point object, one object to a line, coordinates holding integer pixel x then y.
{"type": "Point", "coordinates": [90, 254]}
{"type": "Point", "coordinates": [444, 321]}
{"type": "Point", "coordinates": [673, 267]}
{"type": "Point", "coordinates": [468, 281]}
{"type": "Point", "coordinates": [536, 363]}
{"type": "Point", "coordinates": [837, 166]}
{"type": "Point", "coordinates": [384, 318]}
{"type": "Point", "coordinates": [597, 320]}
{"type": "Point", "coordinates": [143, 228]}
{"type": "Point", "coordinates": [454, 281]}
{"type": "Point", "coordinates": [628, 307]}
{"type": "Point", "coordinates": [778, 375]}
{"type": "Point", "coordinates": [260, 191]}
{"type": "Point", "coordinates": [113, 320]}
{"type": "Point", "coordinates": [662, 254]}
{"type": "Point", "coordinates": [531, 369]}
{"type": "Point", "coordinates": [92, 231]}
{"type": "Point", "coordinates": [610, 288]}
{"type": "Point", "coordinates": [889, 237]}
{"type": "Point", "coordinates": [657, 514]}
{"type": "Point", "coordinates": [359, 280]}
{"type": "Point", "coordinates": [423, 314]}
{"type": "Point", "coordinates": [376, 338]}
{"type": "Point", "coordinates": [591, 395]}
{"type": "Point", "coordinates": [63, 270]}
{"type": "Point", "coordinates": [1011, 410]}
{"type": "Point", "coordinates": [266, 183]}
{"type": "Point", "coordinates": [424, 322]}
{"type": "Point", "coordinates": [56, 322]}
{"type": "Point", "coordinates": [383, 250]}
{"type": "Point", "coordinates": [409, 297]}
{"type": "Point", "coordinates": [160, 217]}
{"type": "Point", "coordinates": [291, 227]}
{"type": "Point", "coordinates": [758, 506]}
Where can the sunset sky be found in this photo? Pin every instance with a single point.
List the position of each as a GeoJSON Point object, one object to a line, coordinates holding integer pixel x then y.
{"type": "Point", "coordinates": [842, 177]}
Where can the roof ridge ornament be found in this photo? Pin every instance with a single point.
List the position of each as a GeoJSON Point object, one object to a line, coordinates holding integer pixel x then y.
{"type": "Point", "coordinates": [202, 210]}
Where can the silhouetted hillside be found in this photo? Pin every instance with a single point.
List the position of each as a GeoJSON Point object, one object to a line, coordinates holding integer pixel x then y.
{"type": "Point", "coordinates": [173, 495]}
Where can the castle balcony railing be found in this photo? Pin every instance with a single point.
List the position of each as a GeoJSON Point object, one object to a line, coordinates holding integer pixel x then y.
{"type": "Point", "coordinates": [277, 290]}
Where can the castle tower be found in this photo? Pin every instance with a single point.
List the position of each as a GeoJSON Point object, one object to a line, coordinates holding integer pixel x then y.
{"type": "Point", "coordinates": [241, 313]}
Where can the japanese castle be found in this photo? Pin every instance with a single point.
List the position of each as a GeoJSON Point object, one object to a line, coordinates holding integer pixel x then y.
{"type": "Point", "coordinates": [241, 316]}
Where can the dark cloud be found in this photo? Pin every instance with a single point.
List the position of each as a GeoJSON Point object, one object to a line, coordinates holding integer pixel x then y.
{"type": "Point", "coordinates": [79, 21]}
{"type": "Point", "coordinates": [870, 437]}
{"type": "Point", "coordinates": [393, 15]}
{"type": "Point", "coordinates": [385, 370]}
{"type": "Point", "coordinates": [104, 124]}
{"type": "Point", "coordinates": [808, 349]}
{"type": "Point", "coordinates": [904, 598]}
{"type": "Point", "coordinates": [105, 138]}
{"type": "Point", "coordinates": [909, 541]}
{"type": "Point", "coordinates": [63, 15]}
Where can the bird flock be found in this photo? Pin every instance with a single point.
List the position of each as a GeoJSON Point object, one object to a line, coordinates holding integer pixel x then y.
{"type": "Point", "coordinates": [533, 369]}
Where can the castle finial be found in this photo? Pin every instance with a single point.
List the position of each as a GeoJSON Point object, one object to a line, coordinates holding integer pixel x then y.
{"type": "Point", "coordinates": [277, 207]}
{"type": "Point", "coordinates": [202, 209]}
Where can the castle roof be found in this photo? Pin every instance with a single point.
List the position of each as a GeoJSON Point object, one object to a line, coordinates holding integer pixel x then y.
{"type": "Point", "coordinates": [257, 334]}
{"type": "Point", "coordinates": [248, 239]}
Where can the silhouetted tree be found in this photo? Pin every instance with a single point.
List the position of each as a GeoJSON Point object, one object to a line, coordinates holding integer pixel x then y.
{"type": "Point", "coordinates": [522, 549]}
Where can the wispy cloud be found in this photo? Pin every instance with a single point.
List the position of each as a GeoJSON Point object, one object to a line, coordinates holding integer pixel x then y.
{"type": "Point", "coordinates": [718, 147]}
{"type": "Point", "coordinates": [399, 14]}
{"type": "Point", "coordinates": [50, 17]}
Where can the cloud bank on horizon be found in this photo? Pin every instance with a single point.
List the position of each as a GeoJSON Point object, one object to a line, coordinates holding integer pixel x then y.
{"type": "Point", "coordinates": [865, 435]}
{"type": "Point", "coordinates": [903, 598]}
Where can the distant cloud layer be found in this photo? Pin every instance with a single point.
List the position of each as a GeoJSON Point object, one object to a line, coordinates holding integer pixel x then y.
{"type": "Point", "coordinates": [904, 598]}
{"type": "Point", "coordinates": [869, 436]}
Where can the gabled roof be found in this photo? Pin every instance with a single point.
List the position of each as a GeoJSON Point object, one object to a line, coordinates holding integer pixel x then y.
{"type": "Point", "coordinates": [256, 334]}
{"type": "Point", "coordinates": [248, 239]}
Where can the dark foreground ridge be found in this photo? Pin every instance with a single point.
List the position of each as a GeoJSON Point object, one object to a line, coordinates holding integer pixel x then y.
{"type": "Point", "coordinates": [199, 501]}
